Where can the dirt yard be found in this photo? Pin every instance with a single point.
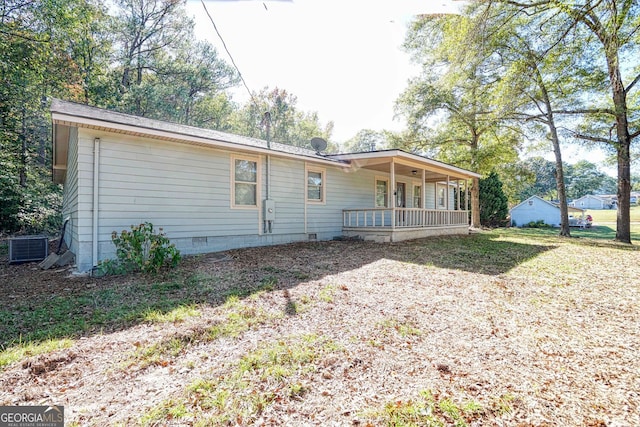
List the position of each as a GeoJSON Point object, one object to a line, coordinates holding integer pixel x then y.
{"type": "Point", "coordinates": [491, 329]}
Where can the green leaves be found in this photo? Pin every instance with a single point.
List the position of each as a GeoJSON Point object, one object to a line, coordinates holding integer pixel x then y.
{"type": "Point", "coordinates": [141, 249]}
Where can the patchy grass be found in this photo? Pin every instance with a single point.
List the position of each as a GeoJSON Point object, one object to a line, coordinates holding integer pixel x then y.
{"type": "Point", "coordinates": [505, 327]}
{"type": "Point", "coordinates": [21, 351]}
{"type": "Point", "coordinates": [178, 314]}
{"type": "Point", "coordinates": [404, 328]}
{"type": "Point", "coordinates": [428, 410]}
{"type": "Point", "coordinates": [238, 318]}
{"type": "Point", "coordinates": [274, 372]}
{"type": "Point", "coordinates": [327, 294]}
{"type": "Point", "coordinates": [174, 298]}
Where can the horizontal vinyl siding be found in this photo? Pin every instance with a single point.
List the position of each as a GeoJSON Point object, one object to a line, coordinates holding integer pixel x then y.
{"type": "Point", "coordinates": [288, 192]}
{"type": "Point", "coordinates": [344, 190]}
{"type": "Point", "coordinates": [183, 189]}
{"type": "Point", "coordinates": [430, 203]}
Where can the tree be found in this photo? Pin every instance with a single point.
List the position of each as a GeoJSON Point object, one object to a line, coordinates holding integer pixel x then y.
{"type": "Point", "coordinates": [288, 125]}
{"type": "Point", "coordinates": [450, 107]}
{"type": "Point", "coordinates": [37, 62]}
{"type": "Point", "coordinates": [585, 178]}
{"type": "Point", "coordinates": [493, 202]}
{"type": "Point", "coordinates": [613, 29]}
{"type": "Point", "coordinates": [543, 183]}
{"type": "Point", "coordinates": [366, 140]}
{"type": "Point", "coordinates": [535, 81]}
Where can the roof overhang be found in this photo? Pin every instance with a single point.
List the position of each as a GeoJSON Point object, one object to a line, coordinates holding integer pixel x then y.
{"type": "Point", "coordinates": [66, 115]}
{"type": "Point", "coordinates": [405, 164]}
{"type": "Point", "coordinates": [61, 119]}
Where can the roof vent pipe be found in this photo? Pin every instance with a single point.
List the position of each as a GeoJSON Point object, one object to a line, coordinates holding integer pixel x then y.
{"type": "Point", "coordinates": [266, 122]}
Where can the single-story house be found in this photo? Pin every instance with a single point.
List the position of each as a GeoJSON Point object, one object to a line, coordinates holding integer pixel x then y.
{"type": "Point", "coordinates": [213, 191]}
{"type": "Point", "coordinates": [536, 209]}
{"type": "Point", "coordinates": [593, 202]}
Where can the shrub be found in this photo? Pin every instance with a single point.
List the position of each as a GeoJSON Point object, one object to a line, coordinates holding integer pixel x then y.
{"type": "Point", "coordinates": [141, 249]}
{"type": "Point", "coordinates": [493, 202]}
{"type": "Point", "coordinates": [538, 224]}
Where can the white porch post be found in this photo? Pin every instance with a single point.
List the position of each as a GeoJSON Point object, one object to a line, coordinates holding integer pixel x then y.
{"type": "Point", "coordinates": [458, 192]}
{"type": "Point", "coordinates": [423, 198]}
{"type": "Point", "coordinates": [447, 193]}
{"type": "Point", "coordinates": [466, 195]}
{"type": "Point", "coordinates": [392, 191]}
{"type": "Point", "coordinates": [423, 190]}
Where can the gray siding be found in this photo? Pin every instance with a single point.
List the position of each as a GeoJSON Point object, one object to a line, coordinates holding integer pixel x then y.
{"type": "Point", "coordinates": [344, 190]}
{"type": "Point", "coordinates": [287, 190]}
{"type": "Point", "coordinates": [186, 190]}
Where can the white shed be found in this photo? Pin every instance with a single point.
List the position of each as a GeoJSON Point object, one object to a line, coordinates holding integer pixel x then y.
{"type": "Point", "coordinates": [536, 209]}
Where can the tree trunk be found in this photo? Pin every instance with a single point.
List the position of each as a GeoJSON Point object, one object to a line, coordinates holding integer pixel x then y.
{"type": "Point", "coordinates": [475, 203]}
{"type": "Point", "coordinates": [565, 230]}
{"type": "Point", "coordinates": [623, 220]}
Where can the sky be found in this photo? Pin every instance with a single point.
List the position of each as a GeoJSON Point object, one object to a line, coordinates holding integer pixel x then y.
{"type": "Point", "coordinates": [341, 58]}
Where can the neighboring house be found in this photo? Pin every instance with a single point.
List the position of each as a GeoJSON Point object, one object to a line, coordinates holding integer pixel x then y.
{"type": "Point", "coordinates": [593, 202]}
{"type": "Point", "coordinates": [213, 191]}
{"type": "Point", "coordinates": [536, 209]}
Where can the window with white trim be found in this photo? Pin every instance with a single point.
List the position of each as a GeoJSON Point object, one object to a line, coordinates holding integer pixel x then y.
{"type": "Point", "coordinates": [417, 196]}
{"type": "Point", "coordinates": [244, 185]}
{"type": "Point", "coordinates": [382, 193]}
{"type": "Point", "coordinates": [441, 199]}
{"type": "Point", "coordinates": [315, 185]}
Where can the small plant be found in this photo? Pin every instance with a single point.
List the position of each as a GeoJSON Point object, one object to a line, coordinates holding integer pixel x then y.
{"type": "Point", "coordinates": [141, 249]}
{"type": "Point", "coordinates": [327, 293]}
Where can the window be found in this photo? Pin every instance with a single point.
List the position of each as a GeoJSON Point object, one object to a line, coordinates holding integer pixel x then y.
{"type": "Point", "coordinates": [315, 185]}
{"type": "Point", "coordinates": [382, 193]}
{"type": "Point", "coordinates": [245, 182]}
{"type": "Point", "coordinates": [417, 196]}
{"type": "Point", "coordinates": [441, 201]}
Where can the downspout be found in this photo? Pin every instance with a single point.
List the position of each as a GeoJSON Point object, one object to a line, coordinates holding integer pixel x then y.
{"type": "Point", "coordinates": [96, 175]}
{"type": "Point", "coordinates": [267, 122]}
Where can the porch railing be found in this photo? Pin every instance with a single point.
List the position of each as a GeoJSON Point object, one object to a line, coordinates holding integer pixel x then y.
{"type": "Point", "coordinates": [402, 218]}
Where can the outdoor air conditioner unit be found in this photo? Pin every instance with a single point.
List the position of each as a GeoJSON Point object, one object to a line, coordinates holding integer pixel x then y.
{"type": "Point", "coordinates": [28, 248]}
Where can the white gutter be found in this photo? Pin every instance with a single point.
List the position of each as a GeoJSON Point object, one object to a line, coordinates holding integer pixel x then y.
{"type": "Point", "coordinates": [96, 175]}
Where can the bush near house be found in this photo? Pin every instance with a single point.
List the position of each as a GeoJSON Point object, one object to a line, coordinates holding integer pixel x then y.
{"type": "Point", "coordinates": [141, 249]}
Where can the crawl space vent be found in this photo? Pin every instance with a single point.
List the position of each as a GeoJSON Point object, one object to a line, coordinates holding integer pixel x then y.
{"type": "Point", "coordinates": [28, 248]}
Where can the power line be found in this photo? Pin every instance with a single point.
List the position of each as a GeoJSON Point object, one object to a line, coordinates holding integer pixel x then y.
{"type": "Point", "coordinates": [229, 53]}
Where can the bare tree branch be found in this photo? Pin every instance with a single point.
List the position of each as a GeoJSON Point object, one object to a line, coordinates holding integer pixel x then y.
{"type": "Point", "coordinates": [633, 83]}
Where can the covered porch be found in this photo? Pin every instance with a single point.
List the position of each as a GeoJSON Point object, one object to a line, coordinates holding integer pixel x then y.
{"type": "Point", "coordinates": [414, 197]}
